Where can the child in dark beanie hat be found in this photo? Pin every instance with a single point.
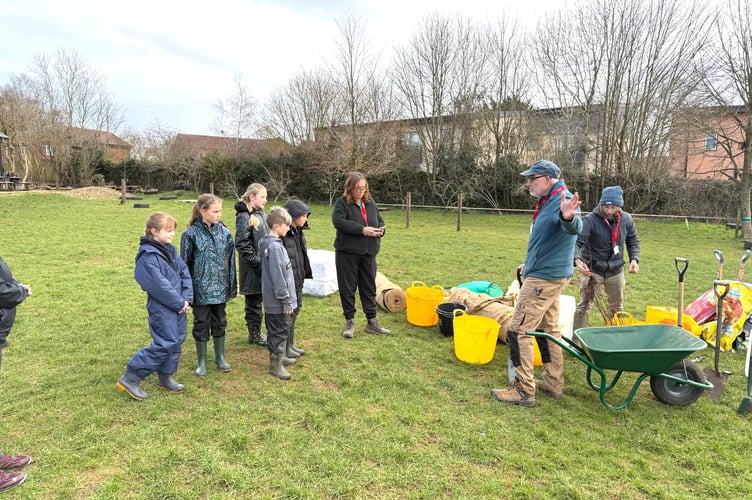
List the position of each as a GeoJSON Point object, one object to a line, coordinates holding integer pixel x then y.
{"type": "Point", "coordinates": [297, 249]}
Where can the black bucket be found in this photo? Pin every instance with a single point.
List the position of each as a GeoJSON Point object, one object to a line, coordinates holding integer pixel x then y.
{"type": "Point", "coordinates": [446, 317]}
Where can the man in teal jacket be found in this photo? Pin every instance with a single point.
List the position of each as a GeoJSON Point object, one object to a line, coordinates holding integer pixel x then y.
{"type": "Point", "coordinates": [547, 269]}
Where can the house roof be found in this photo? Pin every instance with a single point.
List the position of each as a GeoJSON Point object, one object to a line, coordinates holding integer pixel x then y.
{"type": "Point", "coordinates": [103, 137]}
{"type": "Point", "coordinates": [211, 143]}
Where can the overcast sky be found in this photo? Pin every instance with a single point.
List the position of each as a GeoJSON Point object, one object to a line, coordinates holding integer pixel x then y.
{"type": "Point", "coordinates": [171, 61]}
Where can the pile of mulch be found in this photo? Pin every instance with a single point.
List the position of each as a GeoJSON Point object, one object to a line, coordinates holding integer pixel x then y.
{"type": "Point", "coordinates": [94, 193]}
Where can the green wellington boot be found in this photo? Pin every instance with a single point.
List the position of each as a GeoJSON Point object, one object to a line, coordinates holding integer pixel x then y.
{"type": "Point", "coordinates": [219, 354]}
{"type": "Point", "coordinates": [201, 353]}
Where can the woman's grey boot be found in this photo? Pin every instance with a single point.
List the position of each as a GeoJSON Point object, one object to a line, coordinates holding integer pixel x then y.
{"type": "Point", "coordinates": [349, 329]}
{"type": "Point", "coordinates": [373, 326]}
{"type": "Point", "coordinates": [129, 383]}
{"type": "Point", "coordinates": [166, 382]}
{"type": "Point", "coordinates": [276, 368]}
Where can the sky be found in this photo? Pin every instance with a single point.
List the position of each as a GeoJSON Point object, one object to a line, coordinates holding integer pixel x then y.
{"type": "Point", "coordinates": [169, 62]}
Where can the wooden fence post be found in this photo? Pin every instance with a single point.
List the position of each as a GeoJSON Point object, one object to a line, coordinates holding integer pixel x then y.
{"type": "Point", "coordinates": [459, 212]}
{"type": "Point", "coordinates": [407, 209]}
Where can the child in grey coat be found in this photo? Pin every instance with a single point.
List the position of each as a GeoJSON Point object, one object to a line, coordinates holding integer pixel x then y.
{"type": "Point", "coordinates": [277, 290]}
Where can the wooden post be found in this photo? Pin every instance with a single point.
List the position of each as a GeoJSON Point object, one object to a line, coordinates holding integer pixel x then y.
{"type": "Point", "coordinates": [122, 191]}
{"type": "Point", "coordinates": [407, 209]}
{"type": "Point", "coordinates": [459, 212]}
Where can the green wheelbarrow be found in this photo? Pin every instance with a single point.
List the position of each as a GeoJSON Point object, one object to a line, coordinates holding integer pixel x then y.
{"type": "Point", "coordinates": [655, 351]}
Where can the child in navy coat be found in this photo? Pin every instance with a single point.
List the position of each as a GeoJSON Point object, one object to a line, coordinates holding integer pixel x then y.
{"type": "Point", "coordinates": [164, 277]}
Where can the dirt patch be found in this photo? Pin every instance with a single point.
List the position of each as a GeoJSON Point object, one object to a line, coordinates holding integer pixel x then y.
{"type": "Point", "coordinates": [94, 193]}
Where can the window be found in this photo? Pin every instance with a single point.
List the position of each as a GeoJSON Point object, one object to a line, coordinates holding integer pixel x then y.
{"type": "Point", "coordinates": [711, 142]}
{"type": "Point", "coordinates": [413, 139]}
{"type": "Point", "coordinates": [48, 151]}
{"type": "Point", "coordinates": [446, 136]}
{"type": "Point", "coordinates": [414, 149]}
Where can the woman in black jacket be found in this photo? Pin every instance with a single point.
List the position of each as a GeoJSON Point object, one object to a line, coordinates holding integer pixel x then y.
{"type": "Point", "coordinates": [359, 230]}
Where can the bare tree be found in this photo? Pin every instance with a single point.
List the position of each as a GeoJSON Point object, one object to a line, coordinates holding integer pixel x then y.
{"type": "Point", "coordinates": [153, 144]}
{"type": "Point", "coordinates": [617, 70]}
{"type": "Point", "coordinates": [68, 85]}
{"type": "Point", "coordinates": [364, 97]}
{"type": "Point", "coordinates": [236, 117]}
{"type": "Point", "coordinates": [440, 76]}
{"type": "Point", "coordinates": [74, 97]}
{"type": "Point", "coordinates": [729, 85]}
{"type": "Point", "coordinates": [506, 99]}
{"type": "Point", "coordinates": [306, 103]}
{"type": "Point", "coordinates": [20, 120]}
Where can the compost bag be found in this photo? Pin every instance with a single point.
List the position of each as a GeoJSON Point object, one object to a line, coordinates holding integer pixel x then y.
{"type": "Point", "coordinates": [736, 307]}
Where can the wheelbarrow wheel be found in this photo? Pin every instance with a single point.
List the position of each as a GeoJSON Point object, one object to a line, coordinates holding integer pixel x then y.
{"type": "Point", "coordinates": [674, 393]}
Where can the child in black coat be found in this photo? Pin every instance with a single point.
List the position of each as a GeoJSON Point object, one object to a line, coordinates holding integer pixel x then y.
{"type": "Point", "coordinates": [297, 250]}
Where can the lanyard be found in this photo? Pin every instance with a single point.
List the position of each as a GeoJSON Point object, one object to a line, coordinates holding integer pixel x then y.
{"type": "Point", "coordinates": [363, 212]}
{"type": "Point", "coordinates": [543, 200]}
{"type": "Point", "coordinates": [615, 230]}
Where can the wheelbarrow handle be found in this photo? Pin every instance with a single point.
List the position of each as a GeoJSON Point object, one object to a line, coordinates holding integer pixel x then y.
{"type": "Point", "coordinates": [565, 343]}
{"type": "Point", "coordinates": [681, 269]}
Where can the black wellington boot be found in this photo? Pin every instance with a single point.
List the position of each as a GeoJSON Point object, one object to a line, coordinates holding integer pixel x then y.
{"type": "Point", "coordinates": [290, 352]}
{"type": "Point", "coordinates": [255, 337]}
{"type": "Point", "coordinates": [291, 340]}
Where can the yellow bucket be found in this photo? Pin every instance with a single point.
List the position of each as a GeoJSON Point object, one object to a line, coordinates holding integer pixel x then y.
{"type": "Point", "coordinates": [422, 302]}
{"type": "Point", "coordinates": [474, 338]}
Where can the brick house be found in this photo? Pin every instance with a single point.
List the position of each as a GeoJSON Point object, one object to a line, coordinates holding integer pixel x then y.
{"type": "Point", "coordinates": [704, 151]}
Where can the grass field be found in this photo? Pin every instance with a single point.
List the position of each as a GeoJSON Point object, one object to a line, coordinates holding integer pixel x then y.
{"type": "Point", "coordinates": [374, 417]}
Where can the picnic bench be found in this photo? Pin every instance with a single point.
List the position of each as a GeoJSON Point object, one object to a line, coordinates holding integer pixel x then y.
{"type": "Point", "coordinates": [13, 184]}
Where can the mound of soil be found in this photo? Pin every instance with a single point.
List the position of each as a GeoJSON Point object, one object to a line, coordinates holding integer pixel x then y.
{"type": "Point", "coordinates": [94, 193]}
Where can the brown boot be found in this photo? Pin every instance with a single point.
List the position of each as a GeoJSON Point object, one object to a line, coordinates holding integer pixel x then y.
{"type": "Point", "coordinates": [513, 395]}
{"type": "Point", "coordinates": [545, 389]}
